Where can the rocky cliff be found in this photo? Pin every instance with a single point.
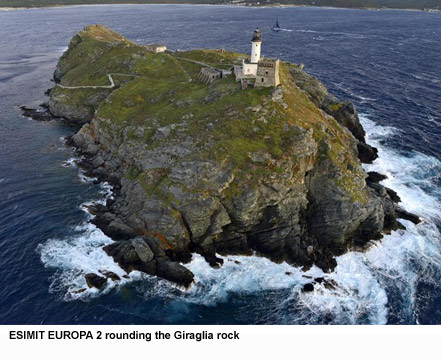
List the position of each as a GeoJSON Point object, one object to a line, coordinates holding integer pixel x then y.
{"type": "Point", "coordinates": [216, 169]}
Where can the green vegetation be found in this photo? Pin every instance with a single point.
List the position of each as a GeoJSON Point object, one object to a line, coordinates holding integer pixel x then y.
{"type": "Point", "coordinates": [212, 57]}
{"type": "Point", "coordinates": [85, 99]}
{"type": "Point", "coordinates": [246, 129]}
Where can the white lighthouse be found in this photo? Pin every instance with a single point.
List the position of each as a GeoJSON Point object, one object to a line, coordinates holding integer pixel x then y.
{"type": "Point", "coordinates": [257, 72]}
{"type": "Point", "coordinates": [249, 67]}
{"type": "Point", "coordinates": [256, 42]}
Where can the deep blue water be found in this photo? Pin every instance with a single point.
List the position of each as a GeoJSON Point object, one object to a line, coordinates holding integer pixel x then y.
{"type": "Point", "coordinates": [387, 62]}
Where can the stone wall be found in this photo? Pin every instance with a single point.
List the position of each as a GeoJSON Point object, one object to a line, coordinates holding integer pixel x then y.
{"type": "Point", "coordinates": [249, 69]}
{"type": "Point", "coordinates": [267, 73]}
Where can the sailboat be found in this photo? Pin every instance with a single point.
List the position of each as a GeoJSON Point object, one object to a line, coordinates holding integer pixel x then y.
{"type": "Point", "coordinates": [276, 27]}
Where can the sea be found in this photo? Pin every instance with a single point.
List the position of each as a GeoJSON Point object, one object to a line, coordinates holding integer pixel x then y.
{"type": "Point", "coordinates": [387, 62]}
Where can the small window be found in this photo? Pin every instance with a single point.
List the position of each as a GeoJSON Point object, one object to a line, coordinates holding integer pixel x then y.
{"type": "Point", "coordinates": [266, 72]}
{"type": "Point", "coordinates": [263, 79]}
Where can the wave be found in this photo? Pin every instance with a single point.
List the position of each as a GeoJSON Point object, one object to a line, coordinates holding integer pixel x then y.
{"type": "Point", "coordinates": [75, 256]}
{"type": "Point", "coordinates": [71, 162]}
{"type": "Point", "coordinates": [61, 49]}
{"type": "Point", "coordinates": [364, 282]}
{"type": "Point", "coordinates": [350, 93]}
{"type": "Point", "coordinates": [82, 252]}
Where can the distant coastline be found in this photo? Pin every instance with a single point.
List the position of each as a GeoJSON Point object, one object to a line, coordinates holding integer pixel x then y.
{"type": "Point", "coordinates": [48, 4]}
{"type": "Point", "coordinates": [428, 6]}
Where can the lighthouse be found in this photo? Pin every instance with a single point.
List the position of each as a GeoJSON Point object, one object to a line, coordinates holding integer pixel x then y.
{"type": "Point", "coordinates": [249, 67]}
{"type": "Point", "coordinates": [257, 72]}
{"type": "Point", "coordinates": [256, 43]}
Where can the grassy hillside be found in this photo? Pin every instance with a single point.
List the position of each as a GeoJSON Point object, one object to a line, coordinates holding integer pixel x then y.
{"type": "Point", "coordinates": [155, 91]}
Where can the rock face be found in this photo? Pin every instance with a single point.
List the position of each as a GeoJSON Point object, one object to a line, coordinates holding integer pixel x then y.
{"type": "Point", "coordinates": [344, 112]}
{"type": "Point", "coordinates": [273, 172]}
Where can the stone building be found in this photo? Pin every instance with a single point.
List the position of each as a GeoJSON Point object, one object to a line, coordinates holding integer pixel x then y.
{"type": "Point", "coordinates": [256, 71]}
{"type": "Point", "coordinates": [267, 73]}
{"type": "Point", "coordinates": [156, 48]}
{"type": "Point", "coordinates": [208, 74]}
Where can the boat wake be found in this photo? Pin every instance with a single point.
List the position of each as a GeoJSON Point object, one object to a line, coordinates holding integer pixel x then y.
{"type": "Point", "coordinates": [277, 27]}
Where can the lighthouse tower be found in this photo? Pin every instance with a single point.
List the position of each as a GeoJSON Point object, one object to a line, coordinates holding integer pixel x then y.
{"type": "Point", "coordinates": [249, 67]}
{"type": "Point", "coordinates": [256, 43]}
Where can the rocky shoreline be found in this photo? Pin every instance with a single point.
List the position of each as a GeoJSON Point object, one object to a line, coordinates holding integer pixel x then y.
{"type": "Point", "coordinates": [306, 206]}
{"type": "Point", "coordinates": [148, 253]}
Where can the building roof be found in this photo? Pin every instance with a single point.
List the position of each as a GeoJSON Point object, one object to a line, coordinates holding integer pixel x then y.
{"type": "Point", "coordinates": [267, 62]}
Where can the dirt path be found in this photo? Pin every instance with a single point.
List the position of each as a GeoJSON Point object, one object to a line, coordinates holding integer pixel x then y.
{"type": "Point", "coordinates": [201, 63]}
{"type": "Point", "coordinates": [112, 82]}
{"type": "Point", "coordinates": [109, 76]}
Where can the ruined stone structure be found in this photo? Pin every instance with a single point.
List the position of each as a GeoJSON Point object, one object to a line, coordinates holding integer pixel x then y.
{"type": "Point", "coordinates": [207, 75]}
{"type": "Point", "coordinates": [256, 71]}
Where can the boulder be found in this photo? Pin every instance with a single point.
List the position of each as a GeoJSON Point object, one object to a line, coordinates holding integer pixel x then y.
{"type": "Point", "coordinates": [374, 177]}
{"type": "Point", "coordinates": [403, 214]}
{"type": "Point", "coordinates": [37, 114]}
{"type": "Point", "coordinates": [366, 153]}
{"type": "Point", "coordinates": [110, 275]}
{"type": "Point", "coordinates": [162, 133]}
{"type": "Point", "coordinates": [309, 287]}
{"type": "Point", "coordinates": [175, 272]}
{"type": "Point", "coordinates": [142, 249]}
{"type": "Point", "coordinates": [95, 281]}
{"type": "Point", "coordinates": [113, 226]}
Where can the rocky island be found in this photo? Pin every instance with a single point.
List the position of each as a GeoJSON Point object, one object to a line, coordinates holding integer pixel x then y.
{"type": "Point", "coordinates": [201, 165]}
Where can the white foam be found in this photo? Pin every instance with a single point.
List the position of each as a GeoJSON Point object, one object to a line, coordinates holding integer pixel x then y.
{"type": "Point", "coordinates": [392, 266]}
{"type": "Point", "coordinates": [77, 255]}
{"type": "Point", "coordinates": [411, 175]}
{"type": "Point", "coordinates": [86, 179]}
{"type": "Point", "coordinates": [359, 297]}
{"type": "Point", "coordinates": [242, 274]}
{"type": "Point", "coordinates": [62, 49]}
{"type": "Point", "coordinates": [71, 162]}
{"type": "Point", "coordinates": [396, 263]}
{"type": "Point", "coordinates": [82, 252]}
{"type": "Point", "coordinates": [365, 281]}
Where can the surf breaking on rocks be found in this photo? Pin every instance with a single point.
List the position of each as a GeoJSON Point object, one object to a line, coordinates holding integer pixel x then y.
{"type": "Point", "coordinates": [81, 252]}
{"type": "Point", "coordinates": [364, 282]}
